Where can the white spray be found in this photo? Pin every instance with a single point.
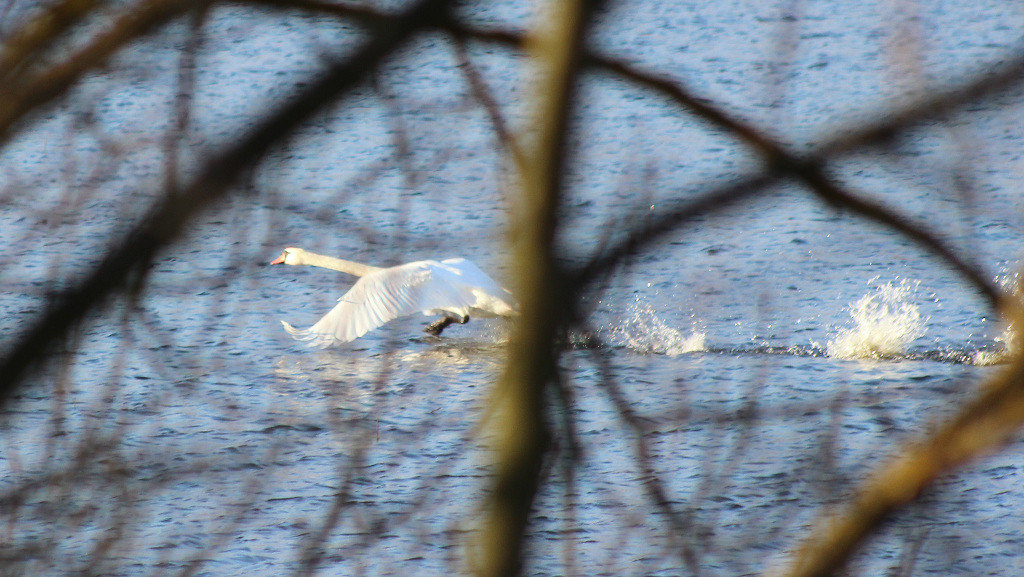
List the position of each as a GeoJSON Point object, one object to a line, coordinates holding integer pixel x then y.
{"type": "Point", "coordinates": [885, 321]}
{"type": "Point", "coordinates": [644, 332]}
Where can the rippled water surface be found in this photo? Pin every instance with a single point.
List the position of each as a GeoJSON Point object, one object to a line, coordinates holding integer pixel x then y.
{"type": "Point", "coordinates": [775, 353]}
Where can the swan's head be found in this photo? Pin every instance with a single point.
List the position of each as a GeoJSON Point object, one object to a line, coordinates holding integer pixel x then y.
{"type": "Point", "coordinates": [290, 255]}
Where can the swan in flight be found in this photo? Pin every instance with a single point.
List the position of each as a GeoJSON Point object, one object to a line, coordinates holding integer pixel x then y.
{"type": "Point", "coordinates": [454, 288]}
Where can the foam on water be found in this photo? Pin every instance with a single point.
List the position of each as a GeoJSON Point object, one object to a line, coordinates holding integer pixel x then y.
{"type": "Point", "coordinates": [885, 322]}
{"type": "Point", "coordinates": [643, 331]}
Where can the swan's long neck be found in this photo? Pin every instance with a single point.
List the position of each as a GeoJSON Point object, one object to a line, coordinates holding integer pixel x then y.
{"type": "Point", "coordinates": [338, 264]}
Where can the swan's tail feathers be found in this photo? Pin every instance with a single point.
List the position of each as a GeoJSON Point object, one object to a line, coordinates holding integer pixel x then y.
{"type": "Point", "coordinates": [319, 340]}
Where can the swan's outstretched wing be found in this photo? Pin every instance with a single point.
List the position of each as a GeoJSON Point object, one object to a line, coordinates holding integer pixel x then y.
{"type": "Point", "coordinates": [489, 299]}
{"type": "Point", "coordinates": [387, 294]}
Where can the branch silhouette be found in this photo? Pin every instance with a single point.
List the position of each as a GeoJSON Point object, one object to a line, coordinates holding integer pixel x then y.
{"type": "Point", "coordinates": [524, 412]}
{"type": "Point", "coordinates": [994, 418]}
{"type": "Point", "coordinates": [519, 423]}
{"type": "Point", "coordinates": [29, 94]}
{"type": "Point", "coordinates": [809, 169]}
{"type": "Point", "coordinates": [165, 221]}
{"type": "Point", "coordinates": [30, 42]}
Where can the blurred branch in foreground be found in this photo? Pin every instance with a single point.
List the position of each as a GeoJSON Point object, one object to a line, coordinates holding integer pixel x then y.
{"type": "Point", "coordinates": [808, 168]}
{"type": "Point", "coordinates": [166, 220]}
{"type": "Point", "coordinates": [519, 418]}
{"type": "Point", "coordinates": [983, 425]}
{"type": "Point", "coordinates": [29, 94]}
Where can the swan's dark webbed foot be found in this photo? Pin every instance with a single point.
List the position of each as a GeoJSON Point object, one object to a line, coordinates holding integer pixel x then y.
{"type": "Point", "coordinates": [442, 323]}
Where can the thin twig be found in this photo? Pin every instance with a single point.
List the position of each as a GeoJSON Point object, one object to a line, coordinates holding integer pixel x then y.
{"type": "Point", "coordinates": [650, 479]}
{"type": "Point", "coordinates": [483, 95]}
{"type": "Point", "coordinates": [183, 97]}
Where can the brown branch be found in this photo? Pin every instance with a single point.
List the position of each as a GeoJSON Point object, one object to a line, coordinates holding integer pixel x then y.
{"type": "Point", "coordinates": [167, 218]}
{"type": "Point", "coordinates": [137, 21]}
{"type": "Point", "coordinates": [31, 93]}
{"type": "Point", "coordinates": [313, 546]}
{"type": "Point", "coordinates": [519, 425]}
{"type": "Point", "coordinates": [649, 478]}
{"type": "Point", "coordinates": [363, 15]}
{"type": "Point", "coordinates": [981, 427]}
{"type": "Point", "coordinates": [834, 193]}
{"type": "Point", "coordinates": [34, 37]}
{"type": "Point", "coordinates": [1007, 74]}
{"type": "Point", "coordinates": [701, 108]}
{"type": "Point", "coordinates": [483, 95]}
{"type": "Point", "coordinates": [185, 93]}
{"type": "Point", "coordinates": [710, 202]}
{"type": "Point", "coordinates": [570, 448]}
{"type": "Point", "coordinates": [722, 198]}
{"type": "Point", "coordinates": [809, 169]}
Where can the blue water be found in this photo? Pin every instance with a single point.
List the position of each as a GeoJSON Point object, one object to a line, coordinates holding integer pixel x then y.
{"type": "Point", "coordinates": [188, 420]}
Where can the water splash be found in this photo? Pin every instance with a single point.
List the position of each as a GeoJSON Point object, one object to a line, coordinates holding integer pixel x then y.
{"type": "Point", "coordinates": [885, 321]}
{"type": "Point", "coordinates": [643, 331]}
{"type": "Point", "coordinates": [987, 358]}
{"type": "Point", "coordinates": [1010, 339]}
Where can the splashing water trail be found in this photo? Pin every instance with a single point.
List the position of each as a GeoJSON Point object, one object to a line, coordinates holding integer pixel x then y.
{"type": "Point", "coordinates": [644, 332]}
{"type": "Point", "coordinates": [886, 321]}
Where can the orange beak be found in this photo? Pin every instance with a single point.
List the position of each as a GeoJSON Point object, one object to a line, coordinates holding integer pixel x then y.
{"type": "Point", "coordinates": [278, 260]}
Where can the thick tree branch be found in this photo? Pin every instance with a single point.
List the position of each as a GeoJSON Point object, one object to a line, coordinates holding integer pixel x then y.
{"type": "Point", "coordinates": [519, 422]}
{"type": "Point", "coordinates": [809, 168]}
{"type": "Point", "coordinates": [33, 38]}
{"type": "Point", "coordinates": [31, 93]}
{"type": "Point", "coordinates": [981, 427]}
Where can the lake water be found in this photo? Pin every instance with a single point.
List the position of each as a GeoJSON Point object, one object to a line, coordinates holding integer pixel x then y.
{"type": "Point", "coordinates": [188, 433]}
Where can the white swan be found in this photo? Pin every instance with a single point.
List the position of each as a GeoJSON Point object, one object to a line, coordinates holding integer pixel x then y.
{"type": "Point", "coordinates": [454, 288]}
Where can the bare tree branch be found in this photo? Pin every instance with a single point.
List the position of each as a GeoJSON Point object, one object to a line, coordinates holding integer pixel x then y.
{"type": "Point", "coordinates": [483, 95]}
{"type": "Point", "coordinates": [33, 38]}
{"type": "Point", "coordinates": [1007, 73]}
{"type": "Point", "coordinates": [523, 402]}
{"type": "Point", "coordinates": [682, 528]}
{"type": "Point", "coordinates": [519, 422]}
{"type": "Point", "coordinates": [809, 168]}
{"type": "Point", "coordinates": [183, 97]}
{"type": "Point", "coordinates": [166, 220]}
{"type": "Point", "coordinates": [981, 427]}
{"type": "Point", "coordinates": [31, 93]}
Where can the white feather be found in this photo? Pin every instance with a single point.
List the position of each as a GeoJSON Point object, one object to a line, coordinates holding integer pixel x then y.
{"type": "Point", "coordinates": [454, 286]}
